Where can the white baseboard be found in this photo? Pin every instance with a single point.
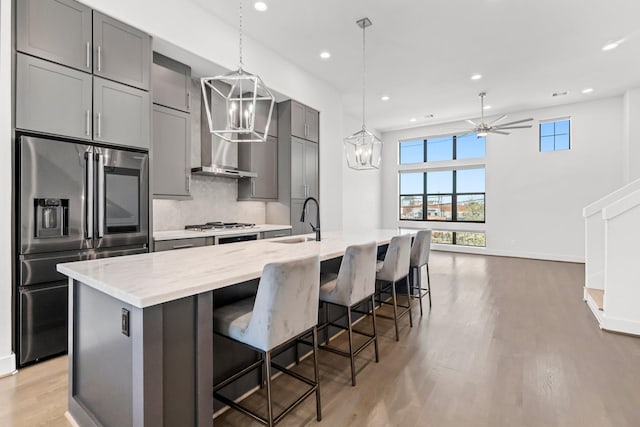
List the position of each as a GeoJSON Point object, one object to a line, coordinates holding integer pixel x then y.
{"type": "Point", "coordinates": [70, 419]}
{"type": "Point", "coordinates": [504, 253]}
{"type": "Point", "coordinates": [7, 365]}
{"type": "Point", "coordinates": [620, 325]}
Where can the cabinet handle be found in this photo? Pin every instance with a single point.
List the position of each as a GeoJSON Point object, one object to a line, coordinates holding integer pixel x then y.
{"type": "Point", "coordinates": [188, 180]}
{"type": "Point", "coordinates": [88, 55]}
{"type": "Point", "coordinates": [306, 130]}
{"type": "Point", "coordinates": [188, 100]}
{"type": "Point", "coordinates": [183, 246]}
{"type": "Point", "coordinates": [87, 120]}
{"type": "Point", "coordinates": [99, 125]}
{"type": "Point", "coordinates": [253, 187]}
{"type": "Point", "coordinates": [99, 58]}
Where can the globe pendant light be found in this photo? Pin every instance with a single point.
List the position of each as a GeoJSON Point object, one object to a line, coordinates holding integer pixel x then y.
{"type": "Point", "coordinates": [363, 149]}
{"type": "Point", "coordinates": [242, 94]}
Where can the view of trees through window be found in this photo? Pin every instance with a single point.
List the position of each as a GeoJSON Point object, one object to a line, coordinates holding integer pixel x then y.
{"type": "Point", "coordinates": [463, 238]}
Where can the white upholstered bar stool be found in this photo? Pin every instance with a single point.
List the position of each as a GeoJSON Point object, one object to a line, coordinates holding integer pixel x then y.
{"type": "Point", "coordinates": [284, 309]}
{"type": "Point", "coordinates": [420, 258]}
{"type": "Point", "coordinates": [395, 267]}
{"type": "Point", "coordinates": [354, 285]}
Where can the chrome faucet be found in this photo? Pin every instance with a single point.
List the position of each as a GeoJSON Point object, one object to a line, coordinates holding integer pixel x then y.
{"type": "Point", "coordinates": [317, 226]}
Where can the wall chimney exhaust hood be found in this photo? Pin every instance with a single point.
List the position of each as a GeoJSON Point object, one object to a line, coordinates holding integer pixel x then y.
{"type": "Point", "coordinates": [217, 156]}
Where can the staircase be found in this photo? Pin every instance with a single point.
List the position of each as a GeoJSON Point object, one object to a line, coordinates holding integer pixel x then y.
{"type": "Point", "coordinates": [612, 253]}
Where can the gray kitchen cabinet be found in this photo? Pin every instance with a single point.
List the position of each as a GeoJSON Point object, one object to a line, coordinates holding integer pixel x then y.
{"type": "Point", "coordinates": [121, 114]}
{"type": "Point", "coordinates": [56, 30]}
{"type": "Point", "coordinates": [171, 152]}
{"type": "Point", "coordinates": [121, 53]}
{"type": "Point", "coordinates": [275, 233]}
{"type": "Point", "coordinates": [51, 98]}
{"type": "Point", "coordinates": [262, 112]}
{"type": "Point", "coordinates": [168, 245]}
{"type": "Point", "coordinates": [305, 122]}
{"type": "Point", "coordinates": [171, 83]}
{"type": "Point", "coordinates": [261, 158]}
{"type": "Point", "coordinates": [304, 169]}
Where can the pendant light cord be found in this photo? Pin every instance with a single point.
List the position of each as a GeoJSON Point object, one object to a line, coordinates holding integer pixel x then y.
{"type": "Point", "coordinates": [364, 75]}
{"type": "Point", "coordinates": [240, 13]}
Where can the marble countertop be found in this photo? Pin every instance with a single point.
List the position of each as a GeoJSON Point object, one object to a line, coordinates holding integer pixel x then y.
{"type": "Point", "coordinates": [189, 234]}
{"type": "Point", "coordinates": [148, 279]}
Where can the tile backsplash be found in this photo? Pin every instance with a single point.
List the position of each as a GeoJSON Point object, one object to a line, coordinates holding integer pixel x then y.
{"type": "Point", "coordinates": [213, 199]}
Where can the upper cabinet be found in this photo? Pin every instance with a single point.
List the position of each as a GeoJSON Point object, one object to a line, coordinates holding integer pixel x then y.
{"type": "Point", "coordinates": [171, 152]}
{"type": "Point", "coordinates": [56, 30]}
{"type": "Point", "coordinates": [121, 52]}
{"type": "Point", "coordinates": [42, 87]}
{"type": "Point", "coordinates": [305, 122]}
{"type": "Point", "coordinates": [171, 81]}
{"type": "Point", "coordinates": [262, 112]}
{"type": "Point", "coordinates": [261, 158]}
{"type": "Point", "coordinates": [121, 114]}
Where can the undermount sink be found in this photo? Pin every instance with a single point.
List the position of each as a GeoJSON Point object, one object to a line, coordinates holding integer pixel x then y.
{"type": "Point", "coordinates": [296, 240]}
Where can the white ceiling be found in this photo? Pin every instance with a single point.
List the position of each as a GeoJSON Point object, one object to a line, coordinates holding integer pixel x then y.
{"type": "Point", "coordinates": [422, 52]}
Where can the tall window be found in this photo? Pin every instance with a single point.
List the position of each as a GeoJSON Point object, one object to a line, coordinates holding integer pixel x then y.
{"type": "Point", "coordinates": [555, 135]}
{"type": "Point", "coordinates": [442, 149]}
{"type": "Point", "coordinates": [443, 195]}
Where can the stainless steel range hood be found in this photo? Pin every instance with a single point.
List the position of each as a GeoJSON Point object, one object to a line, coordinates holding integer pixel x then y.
{"type": "Point", "coordinates": [217, 156]}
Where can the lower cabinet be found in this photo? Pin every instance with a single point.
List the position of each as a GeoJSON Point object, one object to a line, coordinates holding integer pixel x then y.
{"type": "Point", "coordinates": [275, 233]}
{"type": "Point", "coordinates": [171, 152]}
{"type": "Point", "coordinates": [169, 245]}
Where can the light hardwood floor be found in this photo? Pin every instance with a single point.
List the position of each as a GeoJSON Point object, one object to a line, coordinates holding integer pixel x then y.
{"type": "Point", "coordinates": [508, 342]}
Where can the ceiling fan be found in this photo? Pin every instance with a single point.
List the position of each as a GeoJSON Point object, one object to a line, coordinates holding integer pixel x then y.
{"type": "Point", "coordinates": [482, 129]}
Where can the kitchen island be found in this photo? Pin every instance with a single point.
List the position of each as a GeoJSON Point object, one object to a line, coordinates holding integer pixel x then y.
{"type": "Point", "coordinates": [141, 345]}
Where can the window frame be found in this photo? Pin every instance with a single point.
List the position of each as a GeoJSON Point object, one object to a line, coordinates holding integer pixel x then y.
{"type": "Point", "coordinates": [554, 121]}
{"type": "Point", "coordinates": [454, 199]}
{"type": "Point", "coordinates": [454, 150]}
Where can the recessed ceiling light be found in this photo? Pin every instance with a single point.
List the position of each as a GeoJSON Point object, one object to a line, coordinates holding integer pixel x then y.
{"type": "Point", "coordinates": [566, 92]}
{"type": "Point", "coordinates": [476, 77]}
{"type": "Point", "coordinates": [428, 116]}
{"type": "Point", "coordinates": [325, 55]}
{"type": "Point", "coordinates": [385, 98]}
{"type": "Point", "coordinates": [487, 107]}
{"type": "Point", "coordinates": [612, 45]}
{"type": "Point", "coordinates": [587, 90]}
{"type": "Point", "coordinates": [413, 120]}
{"type": "Point", "coordinates": [260, 6]}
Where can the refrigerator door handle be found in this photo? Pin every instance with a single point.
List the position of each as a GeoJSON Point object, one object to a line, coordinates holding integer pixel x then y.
{"type": "Point", "coordinates": [90, 190]}
{"type": "Point", "coordinates": [101, 189]}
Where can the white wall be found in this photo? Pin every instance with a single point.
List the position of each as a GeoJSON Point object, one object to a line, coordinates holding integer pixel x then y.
{"type": "Point", "coordinates": [632, 134]}
{"type": "Point", "coordinates": [361, 195]}
{"type": "Point", "coordinates": [534, 200]}
{"type": "Point", "coordinates": [7, 359]}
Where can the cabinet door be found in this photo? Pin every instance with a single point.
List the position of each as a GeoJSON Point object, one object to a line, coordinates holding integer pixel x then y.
{"type": "Point", "coordinates": [171, 151]}
{"type": "Point", "coordinates": [262, 112]}
{"type": "Point", "coordinates": [51, 98]}
{"type": "Point", "coordinates": [312, 121]}
{"type": "Point", "coordinates": [311, 168]}
{"type": "Point", "coordinates": [298, 183]}
{"type": "Point", "coordinates": [121, 114]}
{"type": "Point", "coordinates": [57, 30]}
{"type": "Point", "coordinates": [171, 82]}
{"type": "Point", "coordinates": [298, 126]}
{"type": "Point", "coordinates": [265, 164]}
{"type": "Point", "coordinates": [121, 53]}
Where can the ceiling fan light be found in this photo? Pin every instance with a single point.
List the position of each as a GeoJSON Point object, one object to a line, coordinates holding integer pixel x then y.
{"type": "Point", "coordinates": [482, 133]}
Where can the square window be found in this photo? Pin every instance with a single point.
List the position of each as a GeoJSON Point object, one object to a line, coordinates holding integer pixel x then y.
{"type": "Point", "coordinates": [442, 237]}
{"type": "Point", "coordinates": [439, 208]}
{"type": "Point", "coordinates": [440, 149]}
{"type": "Point", "coordinates": [470, 181]}
{"type": "Point", "coordinates": [412, 152]}
{"type": "Point", "coordinates": [555, 135]}
{"type": "Point", "coordinates": [470, 146]}
{"type": "Point", "coordinates": [411, 207]}
{"type": "Point", "coordinates": [440, 182]}
{"type": "Point", "coordinates": [412, 183]}
{"type": "Point", "coordinates": [470, 207]}
{"type": "Point", "coordinates": [466, 238]}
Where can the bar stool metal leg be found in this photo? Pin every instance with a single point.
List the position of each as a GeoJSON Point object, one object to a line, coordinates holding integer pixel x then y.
{"type": "Point", "coordinates": [428, 286]}
{"type": "Point", "coordinates": [316, 374]}
{"type": "Point", "coordinates": [267, 364]}
{"type": "Point", "coordinates": [375, 332]}
{"type": "Point", "coordinates": [395, 309]}
{"type": "Point", "coordinates": [351, 356]}
{"type": "Point", "coordinates": [418, 273]}
{"type": "Point", "coordinates": [409, 302]}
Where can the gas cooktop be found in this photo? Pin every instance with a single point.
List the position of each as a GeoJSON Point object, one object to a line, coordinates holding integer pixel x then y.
{"type": "Point", "coordinates": [218, 225]}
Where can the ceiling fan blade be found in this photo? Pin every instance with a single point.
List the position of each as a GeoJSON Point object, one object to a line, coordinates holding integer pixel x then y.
{"type": "Point", "coordinates": [502, 117]}
{"type": "Point", "coordinates": [472, 123]}
{"type": "Point", "coordinates": [513, 127]}
{"type": "Point", "coordinates": [516, 122]}
{"type": "Point", "coordinates": [500, 132]}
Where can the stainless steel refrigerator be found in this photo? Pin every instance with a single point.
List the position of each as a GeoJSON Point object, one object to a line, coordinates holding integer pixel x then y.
{"type": "Point", "coordinates": [75, 202]}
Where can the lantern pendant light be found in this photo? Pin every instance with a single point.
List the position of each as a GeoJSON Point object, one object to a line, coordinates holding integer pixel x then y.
{"type": "Point", "coordinates": [243, 95]}
{"type": "Point", "coordinates": [363, 149]}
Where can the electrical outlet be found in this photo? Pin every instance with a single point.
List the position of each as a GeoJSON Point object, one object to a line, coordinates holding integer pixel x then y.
{"type": "Point", "coordinates": [125, 322]}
